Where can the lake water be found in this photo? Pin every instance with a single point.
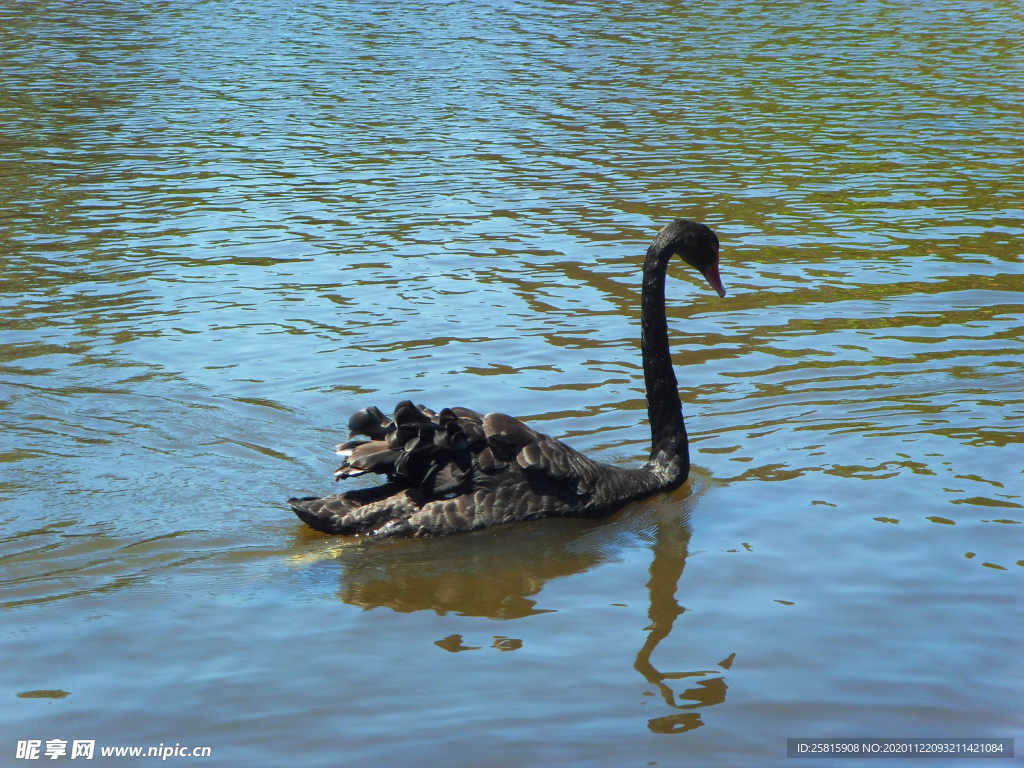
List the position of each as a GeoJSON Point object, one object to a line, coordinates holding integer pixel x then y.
{"type": "Point", "coordinates": [224, 226]}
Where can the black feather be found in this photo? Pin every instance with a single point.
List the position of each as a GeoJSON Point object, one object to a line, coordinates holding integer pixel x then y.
{"type": "Point", "coordinates": [369, 422]}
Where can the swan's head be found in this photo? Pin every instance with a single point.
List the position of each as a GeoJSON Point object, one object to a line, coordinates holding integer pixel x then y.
{"type": "Point", "coordinates": [694, 243]}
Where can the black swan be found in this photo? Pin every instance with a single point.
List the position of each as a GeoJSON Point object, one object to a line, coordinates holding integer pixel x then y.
{"type": "Point", "coordinates": [457, 470]}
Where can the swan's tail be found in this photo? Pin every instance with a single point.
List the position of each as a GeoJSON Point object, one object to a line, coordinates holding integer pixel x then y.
{"type": "Point", "coordinates": [384, 510]}
{"type": "Point", "coordinates": [315, 513]}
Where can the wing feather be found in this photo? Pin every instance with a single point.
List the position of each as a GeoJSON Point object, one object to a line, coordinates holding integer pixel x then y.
{"type": "Point", "coordinates": [458, 453]}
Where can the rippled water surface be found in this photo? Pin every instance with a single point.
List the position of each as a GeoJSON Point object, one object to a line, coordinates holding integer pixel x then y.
{"type": "Point", "coordinates": [225, 225]}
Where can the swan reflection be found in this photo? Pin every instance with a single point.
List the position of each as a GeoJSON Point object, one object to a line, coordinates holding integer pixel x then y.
{"type": "Point", "coordinates": [499, 574]}
{"type": "Point", "coordinates": [492, 574]}
{"type": "Point", "coordinates": [670, 548]}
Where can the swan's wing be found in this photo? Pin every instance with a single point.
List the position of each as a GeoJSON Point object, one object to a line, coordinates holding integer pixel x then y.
{"type": "Point", "coordinates": [456, 450]}
{"type": "Point", "coordinates": [418, 448]}
{"type": "Point", "coordinates": [514, 442]}
{"type": "Point", "coordinates": [453, 470]}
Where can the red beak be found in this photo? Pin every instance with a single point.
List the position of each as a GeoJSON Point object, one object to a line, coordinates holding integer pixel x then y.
{"type": "Point", "coordinates": [715, 279]}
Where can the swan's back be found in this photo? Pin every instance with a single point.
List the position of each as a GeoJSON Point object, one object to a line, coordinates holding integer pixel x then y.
{"type": "Point", "coordinates": [457, 470]}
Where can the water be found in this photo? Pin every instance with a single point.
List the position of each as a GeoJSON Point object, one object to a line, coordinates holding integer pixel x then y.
{"type": "Point", "coordinates": [223, 227]}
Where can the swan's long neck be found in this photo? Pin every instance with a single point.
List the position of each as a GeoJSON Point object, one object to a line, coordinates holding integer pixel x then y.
{"type": "Point", "coordinates": [670, 454]}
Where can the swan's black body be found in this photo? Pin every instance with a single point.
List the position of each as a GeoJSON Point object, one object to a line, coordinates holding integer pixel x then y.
{"type": "Point", "coordinates": [459, 471]}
